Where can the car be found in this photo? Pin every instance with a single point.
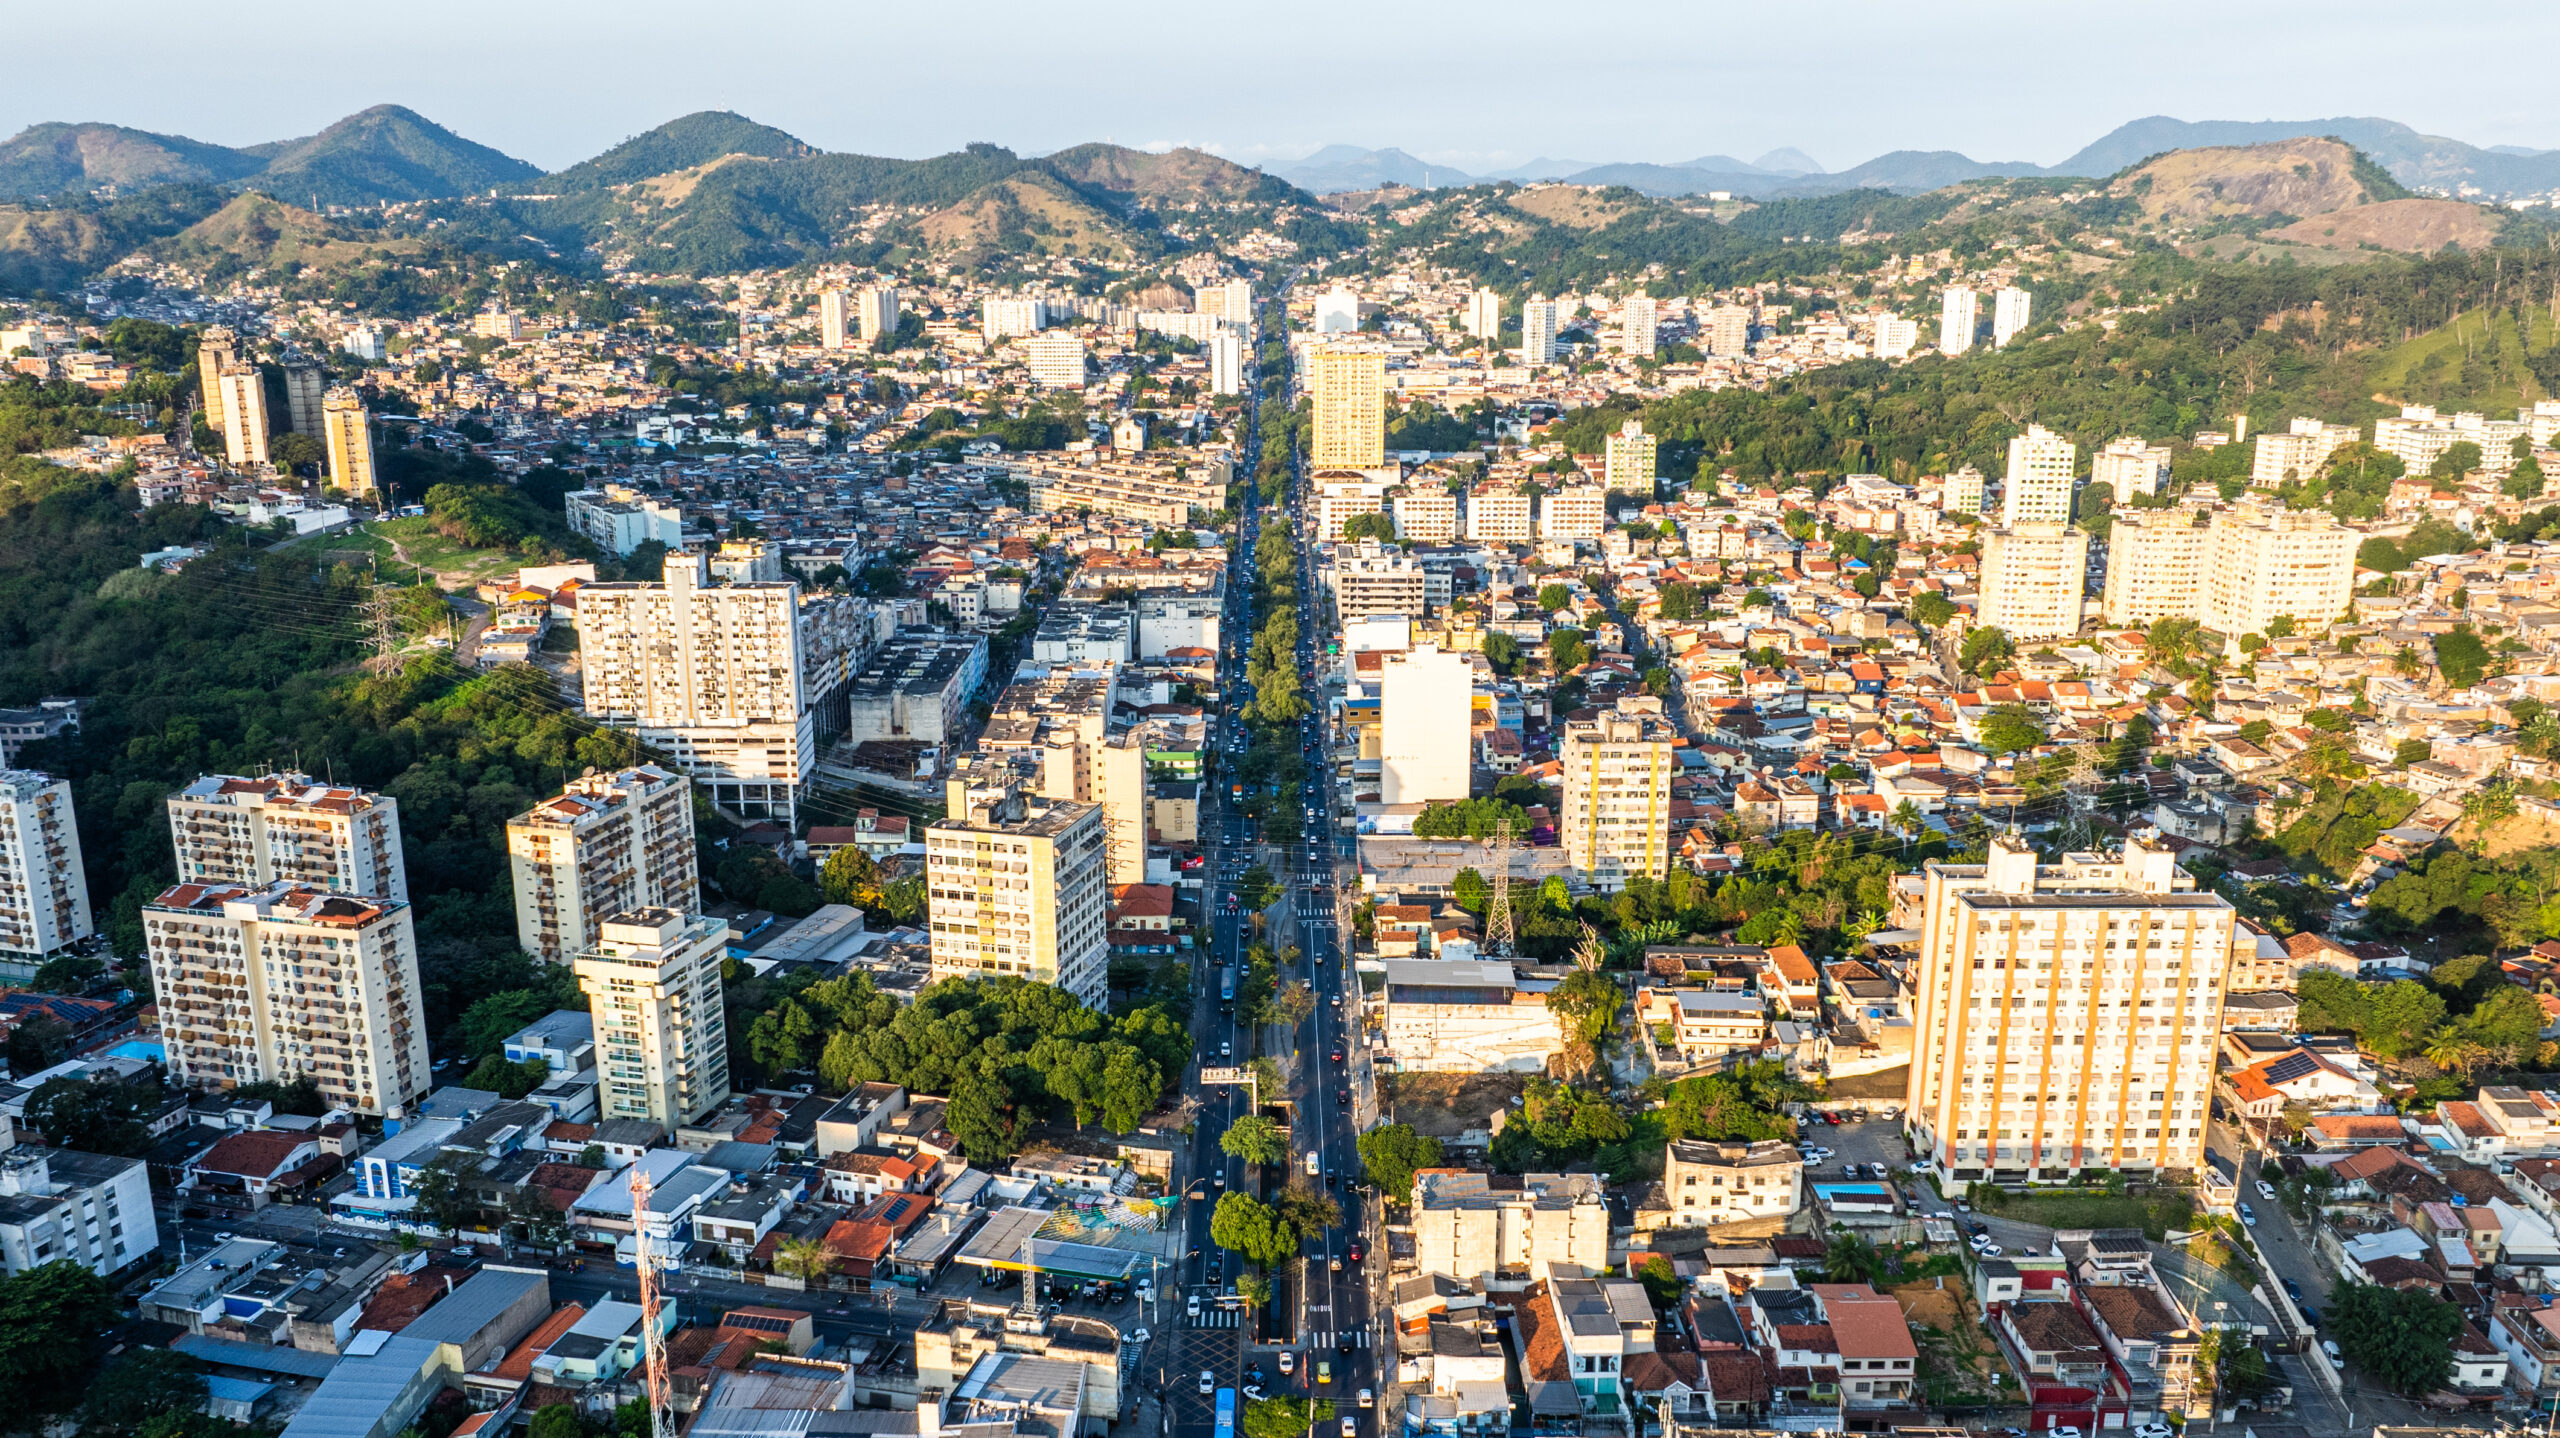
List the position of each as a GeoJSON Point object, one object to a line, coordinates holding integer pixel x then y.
{"type": "Point", "coordinates": [2311, 1316]}
{"type": "Point", "coordinates": [2248, 1215]}
{"type": "Point", "coordinates": [1332, 1180]}
{"type": "Point", "coordinates": [225, 1236]}
{"type": "Point", "coordinates": [1220, 1180]}
{"type": "Point", "coordinates": [1342, 1098]}
{"type": "Point", "coordinates": [1226, 1049]}
{"type": "Point", "coordinates": [2154, 1430]}
{"type": "Point", "coordinates": [1137, 1335]}
{"type": "Point", "coordinates": [1288, 1362]}
{"type": "Point", "coordinates": [1324, 1373]}
{"type": "Point", "coordinates": [1350, 1426]}
{"type": "Point", "coordinates": [1337, 1053]}
{"type": "Point", "coordinates": [2330, 1347]}
{"type": "Point", "coordinates": [1992, 1250]}
{"type": "Point", "coordinates": [2062, 1430]}
{"type": "Point", "coordinates": [1208, 1381]}
{"type": "Point", "coordinates": [1337, 1263]}
{"type": "Point", "coordinates": [2293, 1290]}
{"type": "Point", "coordinates": [1217, 1266]}
{"type": "Point", "coordinates": [1977, 1241]}
{"type": "Point", "coordinates": [2266, 1190]}
{"type": "Point", "coordinates": [1368, 1399]}
{"type": "Point", "coordinates": [1356, 1250]}
{"type": "Point", "coordinates": [1342, 1341]}
{"type": "Point", "coordinates": [1191, 1307]}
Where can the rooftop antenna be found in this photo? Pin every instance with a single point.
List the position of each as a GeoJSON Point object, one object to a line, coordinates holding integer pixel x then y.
{"type": "Point", "coordinates": [652, 1351]}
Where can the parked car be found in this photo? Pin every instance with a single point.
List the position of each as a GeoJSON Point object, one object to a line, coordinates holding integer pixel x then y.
{"type": "Point", "coordinates": [2248, 1216]}
{"type": "Point", "coordinates": [1350, 1426]}
{"type": "Point", "coordinates": [1208, 1381]}
{"type": "Point", "coordinates": [2266, 1191]}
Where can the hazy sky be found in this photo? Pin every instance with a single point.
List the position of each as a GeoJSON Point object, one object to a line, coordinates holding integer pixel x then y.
{"type": "Point", "coordinates": [1484, 84]}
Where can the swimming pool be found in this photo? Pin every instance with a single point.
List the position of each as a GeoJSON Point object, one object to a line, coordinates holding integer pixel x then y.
{"type": "Point", "coordinates": [147, 1050]}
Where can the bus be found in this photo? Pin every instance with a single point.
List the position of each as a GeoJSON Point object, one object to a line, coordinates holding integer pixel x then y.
{"type": "Point", "coordinates": [1226, 1413]}
{"type": "Point", "coordinates": [1227, 985]}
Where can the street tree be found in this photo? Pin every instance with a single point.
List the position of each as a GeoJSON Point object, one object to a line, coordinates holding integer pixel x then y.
{"type": "Point", "coordinates": [2400, 1337]}
{"type": "Point", "coordinates": [1256, 1140]}
{"type": "Point", "coordinates": [1392, 1153]}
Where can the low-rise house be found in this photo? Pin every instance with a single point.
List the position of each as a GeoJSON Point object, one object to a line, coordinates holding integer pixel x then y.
{"type": "Point", "coordinates": [1507, 1230]}
{"type": "Point", "coordinates": [254, 1167]}
{"type": "Point", "coordinates": [1704, 1027]}
{"type": "Point", "coordinates": [1706, 1183]}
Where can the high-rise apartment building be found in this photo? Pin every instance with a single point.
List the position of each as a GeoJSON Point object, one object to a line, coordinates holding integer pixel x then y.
{"type": "Point", "coordinates": [278, 982]}
{"type": "Point", "coordinates": [305, 383]}
{"type": "Point", "coordinates": [1005, 317]}
{"type": "Point", "coordinates": [2415, 436]}
{"type": "Point", "coordinates": [606, 844]}
{"type": "Point", "coordinates": [1628, 463]}
{"type": "Point", "coordinates": [44, 890]}
{"type": "Point", "coordinates": [1726, 331]}
{"type": "Point", "coordinates": [1344, 494]}
{"type": "Point", "coordinates": [2010, 311]}
{"type": "Point", "coordinates": [346, 434]}
{"type": "Point", "coordinates": [497, 325]}
{"type": "Point", "coordinates": [1639, 322]}
{"type": "Point", "coordinates": [1956, 320]}
{"type": "Point", "coordinates": [712, 675]}
{"type": "Point", "coordinates": [244, 415]}
{"type": "Point", "coordinates": [1426, 511]}
{"type": "Point", "coordinates": [1226, 362]}
{"type": "Point", "coordinates": [1337, 312]}
{"type": "Point", "coordinates": [832, 312]}
{"type": "Point", "coordinates": [1538, 331]}
{"type": "Point", "coordinates": [2067, 1014]}
{"type": "Point", "coordinates": [2266, 562]}
{"type": "Point", "coordinates": [652, 982]}
{"type": "Point", "coordinates": [2298, 453]}
{"type": "Point", "coordinates": [2130, 468]}
{"type": "Point", "coordinates": [1575, 511]}
{"type": "Point", "coordinates": [2033, 580]}
{"type": "Point", "coordinates": [1617, 793]}
{"type": "Point", "coordinates": [2155, 565]}
{"type": "Point", "coordinates": [1014, 884]}
{"type": "Point", "coordinates": [1229, 300]}
{"type": "Point", "coordinates": [1960, 492]}
{"type": "Point", "coordinates": [1498, 514]}
{"type": "Point", "coordinates": [1425, 715]}
{"type": "Point", "coordinates": [1896, 337]}
{"type": "Point", "coordinates": [288, 829]}
{"type": "Point", "coordinates": [1349, 387]}
{"type": "Point", "coordinates": [1056, 359]}
{"type": "Point", "coordinates": [2037, 489]}
{"type": "Point", "coordinates": [1484, 314]}
{"type": "Point", "coordinates": [1057, 733]}
{"type": "Point", "coordinates": [875, 312]}
{"type": "Point", "coordinates": [217, 351]}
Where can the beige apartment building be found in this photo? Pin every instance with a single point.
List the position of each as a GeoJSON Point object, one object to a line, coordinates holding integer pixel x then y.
{"type": "Point", "coordinates": [244, 414]}
{"type": "Point", "coordinates": [708, 674]}
{"type": "Point", "coordinates": [1706, 1183]}
{"type": "Point", "coordinates": [2037, 488]}
{"type": "Point", "coordinates": [1577, 511]}
{"type": "Point", "coordinates": [217, 351]}
{"type": "Point", "coordinates": [288, 829]}
{"type": "Point", "coordinates": [1627, 460]}
{"type": "Point", "coordinates": [2066, 1014]}
{"type": "Point", "coordinates": [1426, 511]}
{"type": "Point", "coordinates": [44, 889]}
{"type": "Point", "coordinates": [653, 989]}
{"type": "Point", "coordinates": [1617, 793]}
{"type": "Point", "coordinates": [2298, 453]}
{"type": "Point", "coordinates": [1498, 514]}
{"type": "Point", "coordinates": [1014, 885]}
{"type": "Point", "coordinates": [1161, 494]}
{"type": "Point", "coordinates": [606, 844]}
{"type": "Point", "coordinates": [2268, 562]}
{"type": "Point", "coordinates": [1369, 578]}
{"type": "Point", "coordinates": [279, 982]}
{"type": "Point", "coordinates": [1349, 387]}
{"type": "Point", "coordinates": [1055, 735]}
{"type": "Point", "coordinates": [2033, 577]}
{"type": "Point", "coordinates": [1479, 1227]}
{"type": "Point", "coordinates": [2155, 565]}
{"type": "Point", "coordinates": [346, 433]}
{"type": "Point", "coordinates": [1343, 494]}
{"type": "Point", "coordinates": [2130, 468]}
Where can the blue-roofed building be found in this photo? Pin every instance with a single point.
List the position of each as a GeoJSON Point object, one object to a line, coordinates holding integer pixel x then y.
{"type": "Point", "coordinates": [238, 1399]}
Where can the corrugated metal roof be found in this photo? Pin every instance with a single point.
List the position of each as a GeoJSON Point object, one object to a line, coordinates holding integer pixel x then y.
{"type": "Point", "coordinates": [263, 1357]}
{"type": "Point", "coordinates": [474, 1304]}
{"type": "Point", "coordinates": [362, 1392]}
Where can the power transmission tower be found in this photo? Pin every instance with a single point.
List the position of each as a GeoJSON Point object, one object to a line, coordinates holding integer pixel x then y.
{"type": "Point", "coordinates": [382, 627]}
{"type": "Point", "coordinates": [1498, 938]}
{"type": "Point", "coordinates": [653, 1356]}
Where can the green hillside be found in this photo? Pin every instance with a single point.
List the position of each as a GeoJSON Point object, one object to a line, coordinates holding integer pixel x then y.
{"type": "Point", "coordinates": [384, 153]}
{"type": "Point", "coordinates": [680, 144]}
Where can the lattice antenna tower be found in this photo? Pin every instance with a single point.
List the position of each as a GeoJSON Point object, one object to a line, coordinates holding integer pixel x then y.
{"type": "Point", "coordinates": [382, 627]}
{"type": "Point", "coordinates": [1498, 939]}
{"type": "Point", "coordinates": [653, 1356]}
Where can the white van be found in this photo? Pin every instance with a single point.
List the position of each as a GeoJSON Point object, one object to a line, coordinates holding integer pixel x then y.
{"type": "Point", "coordinates": [1315, 1165]}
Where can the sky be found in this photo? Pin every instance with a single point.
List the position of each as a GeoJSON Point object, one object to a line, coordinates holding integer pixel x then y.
{"type": "Point", "coordinates": [1482, 85]}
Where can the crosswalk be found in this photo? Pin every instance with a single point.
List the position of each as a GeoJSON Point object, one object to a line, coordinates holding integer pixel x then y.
{"type": "Point", "coordinates": [1325, 1337]}
{"type": "Point", "coordinates": [1218, 1318]}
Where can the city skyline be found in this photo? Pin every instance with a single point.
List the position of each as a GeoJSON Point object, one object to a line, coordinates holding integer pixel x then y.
{"type": "Point", "coordinates": [1665, 101]}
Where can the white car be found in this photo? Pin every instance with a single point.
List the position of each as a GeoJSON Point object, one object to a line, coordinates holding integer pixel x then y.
{"type": "Point", "coordinates": [2155, 1430]}
{"type": "Point", "coordinates": [1137, 1335]}
{"type": "Point", "coordinates": [1208, 1381]}
{"type": "Point", "coordinates": [2065, 1431]}
{"type": "Point", "coordinates": [2248, 1216]}
{"type": "Point", "coordinates": [1367, 1398]}
{"type": "Point", "coordinates": [2266, 1190]}
{"type": "Point", "coordinates": [1350, 1426]}
{"type": "Point", "coordinates": [1993, 1250]}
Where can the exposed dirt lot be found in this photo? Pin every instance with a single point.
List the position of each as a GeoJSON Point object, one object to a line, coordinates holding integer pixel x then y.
{"type": "Point", "coordinates": [1447, 1105]}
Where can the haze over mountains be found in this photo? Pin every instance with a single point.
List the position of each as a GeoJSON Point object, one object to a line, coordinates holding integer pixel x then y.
{"type": "Point", "coordinates": [2415, 159]}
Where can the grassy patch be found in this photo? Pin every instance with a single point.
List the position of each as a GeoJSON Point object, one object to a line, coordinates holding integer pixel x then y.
{"type": "Point", "coordinates": [441, 555]}
{"type": "Point", "coordinates": [2155, 1216]}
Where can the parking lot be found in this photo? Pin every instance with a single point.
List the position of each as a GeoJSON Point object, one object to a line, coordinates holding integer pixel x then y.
{"type": "Point", "coordinates": [1870, 1140]}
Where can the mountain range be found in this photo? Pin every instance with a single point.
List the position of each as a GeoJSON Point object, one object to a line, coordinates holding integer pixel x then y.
{"type": "Point", "coordinates": [2419, 160]}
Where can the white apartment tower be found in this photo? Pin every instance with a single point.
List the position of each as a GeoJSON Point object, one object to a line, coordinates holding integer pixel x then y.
{"type": "Point", "coordinates": [1056, 359]}
{"type": "Point", "coordinates": [1226, 362]}
{"type": "Point", "coordinates": [1538, 331]}
{"type": "Point", "coordinates": [1484, 314]}
{"type": "Point", "coordinates": [2033, 578]}
{"type": "Point", "coordinates": [1575, 511]}
{"type": "Point", "coordinates": [2010, 308]}
{"type": "Point", "coordinates": [2155, 565]}
{"type": "Point", "coordinates": [1617, 793]}
{"type": "Point", "coordinates": [2038, 487]}
{"type": "Point", "coordinates": [831, 319]}
{"type": "Point", "coordinates": [288, 829]}
{"type": "Point", "coordinates": [1628, 460]}
{"type": "Point", "coordinates": [2130, 468]}
{"type": "Point", "coordinates": [1337, 312]}
{"type": "Point", "coordinates": [652, 982]}
{"type": "Point", "coordinates": [2265, 562]}
{"type": "Point", "coordinates": [1639, 323]}
{"type": "Point", "coordinates": [1960, 492]}
{"type": "Point", "coordinates": [1005, 317]}
{"type": "Point", "coordinates": [44, 890]}
{"type": "Point", "coordinates": [346, 433]}
{"type": "Point", "coordinates": [1424, 511]}
{"type": "Point", "coordinates": [1956, 320]}
{"type": "Point", "coordinates": [1229, 300]}
{"type": "Point", "coordinates": [244, 415]}
{"type": "Point", "coordinates": [606, 844]}
{"type": "Point", "coordinates": [1895, 336]}
{"type": "Point", "coordinates": [1726, 331]}
{"type": "Point", "coordinates": [2298, 453]}
{"type": "Point", "coordinates": [1015, 885]}
{"type": "Point", "coordinates": [219, 350]}
{"type": "Point", "coordinates": [875, 311]}
{"type": "Point", "coordinates": [275, 983]}
{"type": "Point", "coordinates": [1425, 717]}
{"type": "Point", "coordinates": [709, 674]}
{"type": "Point", "coordinates": [2067, 1014]}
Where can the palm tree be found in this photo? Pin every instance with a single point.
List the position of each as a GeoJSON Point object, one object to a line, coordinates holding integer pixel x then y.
{"type": "Point", "coordinates": [1907, 821]}
{"type": "Point", "coordinates": [803, 1258]}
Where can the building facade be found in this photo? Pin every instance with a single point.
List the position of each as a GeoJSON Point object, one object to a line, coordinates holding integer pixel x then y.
{"type": "Point", "coordinates": [2011, 308]}
{"type": "Point", "coordinates": [1628, 460]}
{"type": "Point", "coordinates": [1015, 885]}
{"type": "Point", "coordinates": [2155, 565]}
{"type": "Point", "coordinates": [244, 415]}
{"type": "Point", "coordinates": [1424, 717]}
{"type": "Point", "coordinates": [2066, 1014]}
{"type": "Point", "coordinates": [1349, 387]}
{"type": "Point", "coordinates": [1477, 1227]}
{"type": "Point", "coordinates": [44, 888]}
{"type": "Point", "coordinates": [280, 982]}
{"type": "Point", "coordinates": [1708, 1183]}
{"type": "Point", "coordinates": [2130, 468]}
{"type": "Point", "coordinates": [62, 1204]}
{"type": "Point", "coordinates": [2033, 577]}
{"type": "Point", "coordinates": [606, 844]}
{"type": "Point", "coordinates": [2263, 563]}
{"type": "Point", "coordinates": [2297, 453]}
{"type": "Point", "coordinates": [653, 989]}
{"type": "Point", "coordinates": [346, 433]}
{"type": "Point", "coordinates": [1956, 319]}
{"type": "Point", "coordinates": [2037, 489]}
{"type": "Point", "coordinates": [1055, 358]}
{"type": "Point", "coordinates": [288, 829]}
{"type": "Point", "coordinates": [1617, 793]}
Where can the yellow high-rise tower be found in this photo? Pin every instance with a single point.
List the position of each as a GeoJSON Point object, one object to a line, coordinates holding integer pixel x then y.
{"type": "Point", "coordinates": [1350, 392]}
